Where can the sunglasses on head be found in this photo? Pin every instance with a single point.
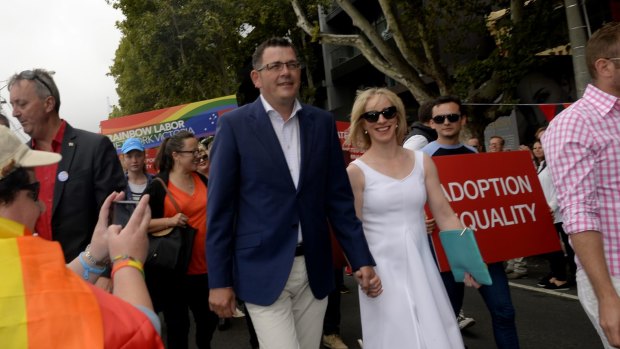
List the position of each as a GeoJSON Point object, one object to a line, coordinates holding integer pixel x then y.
{"type": "Point", "coordinates": [439, 119]}
{"type": "Point", "coordinates": [373, 116]}
{"type": "Point", "coordinates": [32, 75]}
{"type": "Point", "coordinates": [33, 190]}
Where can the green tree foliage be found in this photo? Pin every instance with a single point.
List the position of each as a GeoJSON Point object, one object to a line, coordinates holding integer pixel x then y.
{"type": "Point", "coordinates": [175, 52]}
{"type": "Point", "coordinates": [179, 51]}
{"type": "Point", "coordinates": [448, 46]}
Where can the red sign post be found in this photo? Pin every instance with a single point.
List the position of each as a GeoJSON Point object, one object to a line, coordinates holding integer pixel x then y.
{"type": "Point", "coordinates": [500, 197]}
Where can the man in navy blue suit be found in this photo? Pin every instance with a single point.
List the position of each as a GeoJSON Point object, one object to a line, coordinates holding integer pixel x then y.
{"type": "Point", "coordinates": [277, 177]}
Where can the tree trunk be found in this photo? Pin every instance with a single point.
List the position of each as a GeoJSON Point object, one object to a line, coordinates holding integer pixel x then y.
{"type": "Point", "coordinates": [577, 35]}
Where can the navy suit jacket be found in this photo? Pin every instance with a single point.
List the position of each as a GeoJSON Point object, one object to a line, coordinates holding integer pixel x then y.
{"type": "Point", "coordinates": [94, 171]}
{"type": "Point", "coordinates": [254, 208]}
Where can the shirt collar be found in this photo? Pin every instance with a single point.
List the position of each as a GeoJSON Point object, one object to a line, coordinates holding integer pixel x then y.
{"type": "Point", "coordinates": [57, 141]}
{"type": "Point", "coordinates": [270, 110]}
{"type": "Point", "coordinates": [604, 103]}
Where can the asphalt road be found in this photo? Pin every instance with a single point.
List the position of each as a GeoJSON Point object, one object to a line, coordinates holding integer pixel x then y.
{"type": "Point", "coordinates": [545, 319]}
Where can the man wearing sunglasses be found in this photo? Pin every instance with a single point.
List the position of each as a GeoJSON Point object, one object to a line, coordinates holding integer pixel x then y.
{"type": "Point", "coordinates": [74, 189]}
{"type": "Point", "coordinates": [277, 177]}
{"type": "Point", "coordinates": [448, 120]}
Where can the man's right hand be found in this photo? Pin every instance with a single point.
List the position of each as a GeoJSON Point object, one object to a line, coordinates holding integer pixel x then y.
{"type": "Point", "coordinates": [222, 301]}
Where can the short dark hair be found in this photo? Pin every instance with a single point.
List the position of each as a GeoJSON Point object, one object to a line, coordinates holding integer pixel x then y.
{"type": "Point", "coordinates": [257, 57]}
{"type": "Point", "coordinates": [9, 185]}
{"type": "Point", "coordinates": [447, 99]}
{"type": "Point", "coordinates": [4, 121]}
{"type": "Point", "coordinates": [604, 43]}
{"type": "Point", "coordinates": [502, 142]}
{"type": "Point", "coordinates": [425, 112]}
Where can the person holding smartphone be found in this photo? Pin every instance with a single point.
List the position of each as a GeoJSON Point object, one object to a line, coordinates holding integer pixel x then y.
{"type": "Point", "coordinates": [59, 302]}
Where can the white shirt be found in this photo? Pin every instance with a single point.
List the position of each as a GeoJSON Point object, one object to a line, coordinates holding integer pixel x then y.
{"type": "Point", "coordinates": [288, 136]}
{"type": "Point", "coordinates": [415, 142]}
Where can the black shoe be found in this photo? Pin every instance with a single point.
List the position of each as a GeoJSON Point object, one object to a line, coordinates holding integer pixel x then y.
{"type": "Point", "coordinates": [553, 286]}
{"type": "Point", "coordinates": [543, 282]}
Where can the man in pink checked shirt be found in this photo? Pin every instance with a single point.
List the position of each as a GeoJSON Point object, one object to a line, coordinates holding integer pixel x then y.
{"type": "Point", "coordinates": [582, 145]}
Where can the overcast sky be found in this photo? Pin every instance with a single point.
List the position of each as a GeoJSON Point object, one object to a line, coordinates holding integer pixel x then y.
{"type": "Point", "coordinates": [75, 38]}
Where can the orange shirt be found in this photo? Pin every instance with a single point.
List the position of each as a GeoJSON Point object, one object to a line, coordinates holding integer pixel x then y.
{"type": "Point", "coordinates": [194, 206]}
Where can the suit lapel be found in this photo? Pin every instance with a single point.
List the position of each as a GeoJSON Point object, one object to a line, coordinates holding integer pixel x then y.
{"type": "Point", "coordinates": [64, 167]}
{"type": "Point", "coordinates": [306, 138]}
{"type": "Point", "coordinates": [268, 138]}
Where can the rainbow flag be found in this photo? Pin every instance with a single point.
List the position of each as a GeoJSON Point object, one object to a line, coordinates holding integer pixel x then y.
{"type": "Point", "coordinates": [43, 303]}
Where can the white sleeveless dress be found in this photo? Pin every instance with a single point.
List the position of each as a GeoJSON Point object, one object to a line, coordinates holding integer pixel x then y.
{"type": "Point", "coordinates": [414, 310]}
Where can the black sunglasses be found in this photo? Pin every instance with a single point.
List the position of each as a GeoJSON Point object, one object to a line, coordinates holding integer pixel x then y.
{"type": "Point", "coordinates": [439, 119]}
{"type": "Point", "coordinates": [33, 190]}
{"type": "Point", "coordinates": [32, 75]}
{"type": "Point", "coordinates": [203, 158]}
{"type": "Point", "coordinates": [373, 116]}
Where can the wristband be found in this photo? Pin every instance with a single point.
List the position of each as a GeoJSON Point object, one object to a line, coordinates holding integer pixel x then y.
{"type": "Point", "coordinates": [89, 269]}
{"type": "Point", "coordinates": [122, 257]}
{"type": "Point", "coordinates": [92, 259]}
{"type": "Point", "coordinates": [128, 263]}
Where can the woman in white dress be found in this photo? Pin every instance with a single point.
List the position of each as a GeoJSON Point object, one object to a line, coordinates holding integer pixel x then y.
{"type": "Point", "coordinates": [391, 185]}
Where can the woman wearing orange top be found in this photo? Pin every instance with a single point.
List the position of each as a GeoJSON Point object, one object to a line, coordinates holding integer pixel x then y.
{"type": "Point", "coordinates": [176, 293]}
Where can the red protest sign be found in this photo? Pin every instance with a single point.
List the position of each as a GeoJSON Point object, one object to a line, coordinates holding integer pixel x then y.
{"type": "Point", "coordinates": [499, 196]}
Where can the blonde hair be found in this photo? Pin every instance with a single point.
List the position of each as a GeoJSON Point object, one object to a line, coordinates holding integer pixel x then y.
{"type": "Point", "coordinates": [357, 137]}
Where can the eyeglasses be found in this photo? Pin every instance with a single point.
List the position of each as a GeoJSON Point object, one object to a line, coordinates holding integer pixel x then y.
{"type": "Point", "coordinates": [373, 116]}
{"type": "Point", "coordinates": [439, 119]}
{"type": "Point", "coordinates": [195, 152]}
{"type": "Point", "coordinates": [278, 66]}
{"type": "Point", "coordinates": [31, 75]}
{"type": "Point", "coordinates": [612, 58]}
{"type": "Point", "coordinates": [203, 158]}
{"type": "Point", "coordinates": [33, 190]}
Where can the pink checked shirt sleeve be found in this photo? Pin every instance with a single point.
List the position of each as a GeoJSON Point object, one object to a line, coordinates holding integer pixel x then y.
{"type": "Point", "coordinates": [582, 149]}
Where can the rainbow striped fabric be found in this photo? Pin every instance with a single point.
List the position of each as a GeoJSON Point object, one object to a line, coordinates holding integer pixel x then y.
{"type": "Point", "coordinates": [43, 304]}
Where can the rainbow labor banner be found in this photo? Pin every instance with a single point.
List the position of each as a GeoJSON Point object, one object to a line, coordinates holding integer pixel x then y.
{"type": "Point", "coordinates": [153, 127]}
{"type": "Point", "coordinates": [43, 303]}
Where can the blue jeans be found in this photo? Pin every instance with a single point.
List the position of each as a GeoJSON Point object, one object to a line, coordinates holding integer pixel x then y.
{"type": "Point", "coordinates": [497, 299]}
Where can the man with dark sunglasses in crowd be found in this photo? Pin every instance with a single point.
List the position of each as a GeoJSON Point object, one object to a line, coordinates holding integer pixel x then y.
{"type": "Point", "coordinates": [448, 120]}
{"type": "Point", "coordinates": [74, 189]}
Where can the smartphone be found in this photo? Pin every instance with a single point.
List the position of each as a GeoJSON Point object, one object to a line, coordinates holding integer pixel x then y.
{"type": "Point", "coordinates": [121, 212]}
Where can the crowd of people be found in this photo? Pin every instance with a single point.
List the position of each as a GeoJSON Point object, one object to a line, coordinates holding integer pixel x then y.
{"type": "Point", "coordinates": [269, 198]}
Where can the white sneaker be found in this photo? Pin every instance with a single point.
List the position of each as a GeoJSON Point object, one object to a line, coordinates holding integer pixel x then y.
{"type": "Point", "coordinates": [464, 321]}
{"type": "Point", "coordinates": [333, 341]}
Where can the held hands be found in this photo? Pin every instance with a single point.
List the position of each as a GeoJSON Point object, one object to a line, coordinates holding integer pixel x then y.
{"type": "Point", "coordinates": [369, 281]}
{"type": "Point", "coordinates": [222, 301]}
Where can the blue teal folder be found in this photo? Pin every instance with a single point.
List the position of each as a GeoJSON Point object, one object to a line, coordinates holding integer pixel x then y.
{"type": "Point", "coordinates": [464, 255]}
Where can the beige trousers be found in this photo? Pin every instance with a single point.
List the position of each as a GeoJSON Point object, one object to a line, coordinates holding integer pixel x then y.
{"type": "Point", "coordinates": [295, 320]}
